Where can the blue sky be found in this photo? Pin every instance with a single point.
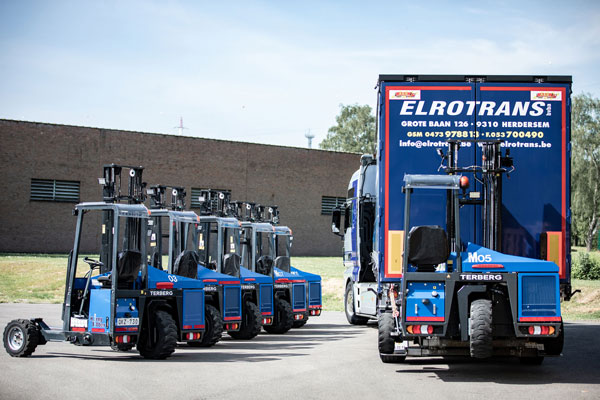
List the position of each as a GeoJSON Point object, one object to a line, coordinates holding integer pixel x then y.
{"type": "Point", "coordinates": [269, 71]}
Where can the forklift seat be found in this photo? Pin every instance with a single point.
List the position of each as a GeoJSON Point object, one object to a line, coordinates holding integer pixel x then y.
{"type": "Point", "coordinates": [186, 264]}
{"type": "Point", "coordinates": [231, 264]}
{"type": "Point", "coordinates": [264, 265]}
{"type": "Point", "coordinates": [128, 267]}
{"type": "Point", "coordinates": [283, 263]}
{"type": "Point", "coordinates": [427, 247]}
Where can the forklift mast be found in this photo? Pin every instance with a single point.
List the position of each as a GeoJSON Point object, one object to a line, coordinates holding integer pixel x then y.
{"type": "Point", "coordinates": [158, 199]}
{"type": "Point", "coordinates": [493, 165]}
{"type": "Point", "coordinates": [112, 192]}
{"type": "Point", "coordinates": [214, 202]}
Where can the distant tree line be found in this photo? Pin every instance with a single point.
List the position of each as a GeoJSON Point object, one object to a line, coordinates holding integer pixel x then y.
{"type": "Point", "coordinates": [355, 132]}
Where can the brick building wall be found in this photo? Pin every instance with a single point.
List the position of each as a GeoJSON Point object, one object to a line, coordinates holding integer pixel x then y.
{"type": "Point", "coordinates": [295, 179]}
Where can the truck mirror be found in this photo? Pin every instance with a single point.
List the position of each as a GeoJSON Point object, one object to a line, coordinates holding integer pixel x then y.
{"type": "Point", "coordinates": [336, 216]}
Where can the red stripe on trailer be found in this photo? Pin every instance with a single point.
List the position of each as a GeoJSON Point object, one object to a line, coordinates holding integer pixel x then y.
{"type": "Point", "coordinates": [282, 280]}
{"type": "Point", "coordinates": [77, 329]}
{"type": "Point", "coordinates": [209, 280]}
{"type": "Point", "coordinates": [298, 281]}
{"type": "Point", "coordinates": [250, 280]}
{"type": "Point", "coordinates": [230, 282]}
{"type": "Point", "coordinates": [299, 309]}
{"type": "Point", "coordinates": [164, 285]}
{"type": "Point", "coordinates": [267, 313]}
{"type": "Point", "coordinates": [198, 326]}
{"type": "Point", "coordinates": [314, 306]}
{"type": "Point", "coordinates": [425, 319]}
{"type": "Point", "coordinates": [98, 330]}
{"type": "Point", "coordinates": [232, 318]}
{"type": "Point", "coordinates": [539, 319]}
{"type": "Point", "coordinates": [187, 327]}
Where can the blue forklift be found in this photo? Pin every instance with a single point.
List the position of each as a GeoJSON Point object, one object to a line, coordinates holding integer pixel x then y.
{"type": "Point", "coordinates": [223, 292]}
{"type": "Point", "coordinates": [121, 301]}
{"type": "Point", "coordinates": [258, 243]}
{"type": "Point", "coordinates": [281, 255]}
{"type": "Point", "coordinates": [218, 239]}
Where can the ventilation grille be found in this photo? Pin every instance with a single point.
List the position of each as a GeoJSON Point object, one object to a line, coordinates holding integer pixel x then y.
{"type": "Point", "coordinates": [328, 203]}
{"type": "Point", "coordinates": [54, 190]}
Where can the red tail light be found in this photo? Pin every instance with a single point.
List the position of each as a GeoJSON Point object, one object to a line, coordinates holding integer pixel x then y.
{"type": "Point", "coordinates": [164, 285]}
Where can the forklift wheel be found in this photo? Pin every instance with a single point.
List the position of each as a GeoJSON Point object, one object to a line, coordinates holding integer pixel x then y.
{"type": "Point", "coordinates": [385, 326]}
{"type": "Point", "coordinates": [214, 328]}
{"type": "Point", "coordinates": [21, 337]}
{"type": "Point", "coordinates": [251, 323]}
{"type": "Point", "coordinates": [163, 337]}
{"type": "Point", "coordinates": [284, 318]}
{"type": "Point", "coordinates": [481, 329]}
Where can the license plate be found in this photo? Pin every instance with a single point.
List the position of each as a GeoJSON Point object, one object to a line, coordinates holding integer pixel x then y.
{"type": "Point", "coordinates": [400, 346]}
{"type": "Point", "coordinates": [127, 321]}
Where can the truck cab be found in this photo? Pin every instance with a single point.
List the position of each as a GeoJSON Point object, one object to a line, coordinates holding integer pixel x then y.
{"type": "Point", "coordinates": [360, 300]}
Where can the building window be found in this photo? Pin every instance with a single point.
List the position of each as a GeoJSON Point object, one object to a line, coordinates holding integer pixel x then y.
{"type": "Point", "coordinates": [54, 190]}
{"type": "Point", "coordinates": [196, 192]}
{"type": "Point", "coordinates": [328, 203]}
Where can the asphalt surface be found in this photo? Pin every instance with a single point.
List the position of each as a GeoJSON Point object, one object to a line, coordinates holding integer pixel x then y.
{"type": "Point", "coordinates": [325, 359]}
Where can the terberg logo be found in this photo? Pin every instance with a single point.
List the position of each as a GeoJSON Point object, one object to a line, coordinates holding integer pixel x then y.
{"type": "Point", "coordinates": [474, 257]}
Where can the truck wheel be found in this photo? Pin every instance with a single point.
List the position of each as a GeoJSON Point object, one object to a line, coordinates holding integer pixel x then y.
{"type": "Point", "coordinates": [284, 318]}
{"type": "Point", "coordinates": [159, 342]}
{"type": "Point", "coordinates": [386, 343]}
{"type": "Point", "coordinates": [554, 346]}
{"type": "Point", "coordinates": [349, 308]}
{"type": "Point", "coordinates": [301, 323]}
{"type": "Point", "coordinates": [21, 337]}
{"type": "Point", "coordinates": [481, 329]}
{"type": "Point", "coordinates": [251, 323]}
{"type": "Point", "coordinates": [213, 328]}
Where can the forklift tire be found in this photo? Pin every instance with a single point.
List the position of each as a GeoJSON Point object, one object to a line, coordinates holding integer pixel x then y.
{"type": "Point", "coordinates": [164, 339]}
{"type": "Point", "coordinates": [349, 308]}
{"type": "Point", "coordinates": [214, 328]}
{"type": "Point", "coordinates": [21, 337]}
{"type": "Point", "coordinates": [480, 345]}
{"type": "Point", "coordinates": [386, 343]}
{"type": "Point", "coordinates": [301, 323]}
{"type": "Point", "coordinates": [284, 318]}
{"type": "Point", "coordinates": [251, 323]}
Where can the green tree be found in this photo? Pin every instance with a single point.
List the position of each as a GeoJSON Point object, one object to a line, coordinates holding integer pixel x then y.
{"type": "Point", "coordinates": [354, 132]}
{"type": "Point", "coordinates": [585, 141]}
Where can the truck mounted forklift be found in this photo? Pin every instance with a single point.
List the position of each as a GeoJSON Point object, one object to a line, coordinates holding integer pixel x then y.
{"type": "Point", "coordinates": [120, 301]}
{"type": "Point", "coordinates": [258, 243]}
{"type": "Point", "coordinates": [222, 292]}
{"type": "Point", "coordinates": [281, 256]}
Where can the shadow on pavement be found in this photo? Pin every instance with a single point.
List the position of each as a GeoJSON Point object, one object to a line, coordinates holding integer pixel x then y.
{"type": "Point", "coordinates": [579, 363]}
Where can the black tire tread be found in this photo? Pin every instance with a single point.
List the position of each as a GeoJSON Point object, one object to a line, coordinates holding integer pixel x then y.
{"type": "Point", "coordinates": [251, 323]}
{"type": "Point", "coordinates": [481, 329]}
{"type": "Point", "coordinates": [32, 335]}
{"type": "Point", "coordinates": [167, 337]}
{"type": "Point", "coordinates": [284, 318]}
{"type": "Point", "coordinates": [214, 328]}
{"type": "Point", "coordinates": [386, 343]}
